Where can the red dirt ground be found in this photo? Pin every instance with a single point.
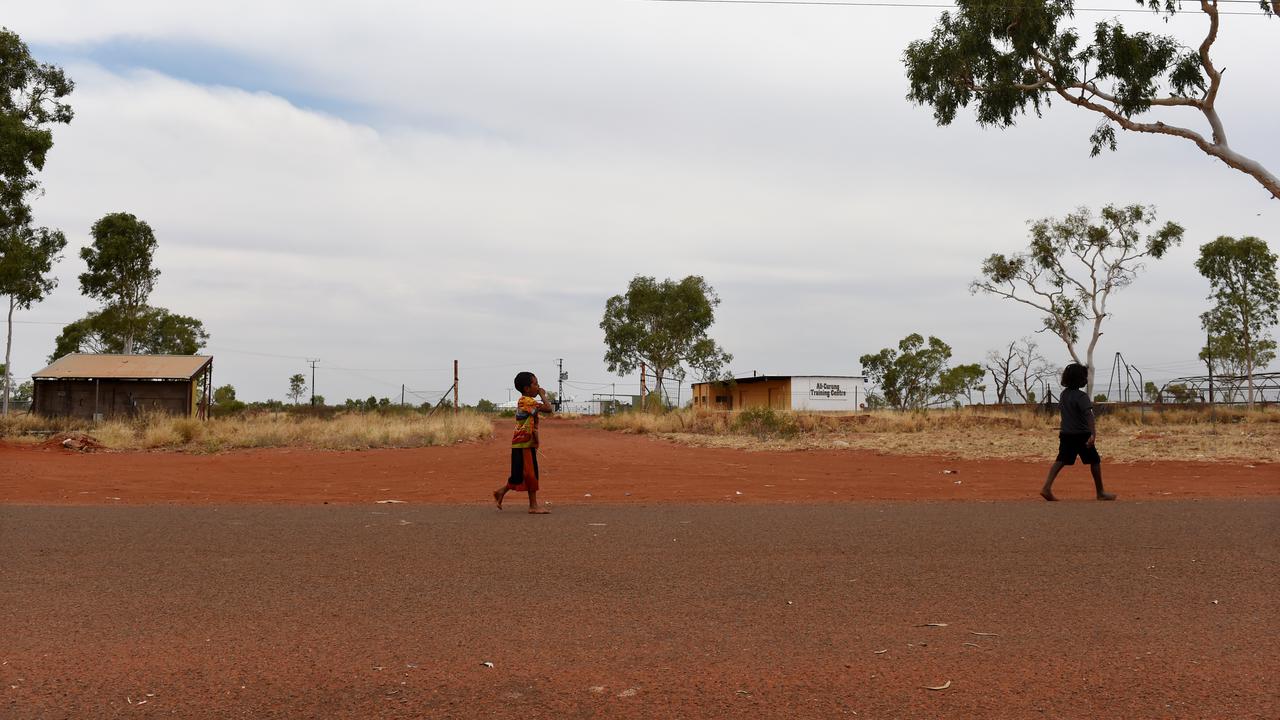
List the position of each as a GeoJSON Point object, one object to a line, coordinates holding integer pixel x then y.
{"type": "Point", "coordinates": [582, 465]}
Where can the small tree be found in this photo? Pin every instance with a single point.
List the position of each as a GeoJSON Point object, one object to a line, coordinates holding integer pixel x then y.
{"type": "Point", "coordinates": [297, 387]}
{"type": "Point", "coordinates": [1242, 275]}
{"type": "Point", "coordinates": [224, 400]}
{"type": "Point", "coordinates": [1180, 393]}
{"type": "Point", "coordinates": [959, 381]}
{"type": "Point", "coordinates": [663, 325]}
{"type": "Point", "coordinates": [27, 256]}
{"type": "Point", "coordinates": [224, 395]}
{"type": "Point", "coordinates": [1151, 391]}
{"type": "Point", "coordinates": [1013, 58]}
{"type": "Point", "coordinates": [909, 377]}
{"type": "Point", "coordinates": [1073, 266]}
{"type": "Point", "coordinates": [1032, 369]}
{"type": "Point", "coordinates": [486, 406]}
{"type": "Point", "coordinates": [1017, 368]}
{"type": "Point", "coordinates": [1002, 366]}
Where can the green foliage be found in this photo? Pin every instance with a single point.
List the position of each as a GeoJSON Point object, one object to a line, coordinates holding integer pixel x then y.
{"type": "Point", "coordinates": [1246, 295]}
{"type": "Point", "coordinates": [1180, 393]}
{"type": "Point", "coordinates": [910, 377]}
{"type": "Point", "coordinates": [1100, 398]}
{"type": "Point", "coordinates": [1073, 265]}
{"type": "Point", "coordinates": [224, 395]}
{"type": "Point", "coordinates": [765, 423]}
{"type": "Point", "coordinates": [27, 256]}
{"type": "Point", "coordinates": [1007, 60]}
{"type": "Point", "coordinates": [1151, 392]}
{"type": "Point", "coordinates": [486, 406]}
{"type": "Point", "coordinates": [159, 332]}
{"type": "Point", "coordinates": [959, 381]}
{"type": "Point", "coordinates": [664, 325]}
{"type": "Point", "coordinates": [32, 100]}
{"type": "Point", "coordinates": [18, 392]}
{"type": "Point", "coordinates": [120, 273]}
{"type": "Point", "coordinates": [225, 402]}
{"type": "Point", "coordinates": [297, 386]}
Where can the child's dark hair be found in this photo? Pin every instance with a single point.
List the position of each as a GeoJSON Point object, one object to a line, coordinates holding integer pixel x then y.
{"type": "Point", "coordinates": [523, 380]}
{"type": "Point", "coordinates": [1075, 376]}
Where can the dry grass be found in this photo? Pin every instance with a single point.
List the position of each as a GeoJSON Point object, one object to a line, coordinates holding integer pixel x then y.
{"type": "Point", "coordinates": [348, 431]}
{"type": "Point", "coordinates": [1123, 436]}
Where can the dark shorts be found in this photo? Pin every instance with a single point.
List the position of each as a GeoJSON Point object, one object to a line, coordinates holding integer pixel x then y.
{"type": "Point", "coordinates": [1072, 444]}
{"type": "Point", "coordinates": [524, 470]}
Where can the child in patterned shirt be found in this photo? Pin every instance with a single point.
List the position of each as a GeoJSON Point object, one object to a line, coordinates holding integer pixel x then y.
{"type": "Point", "coordinates": [524, 444]}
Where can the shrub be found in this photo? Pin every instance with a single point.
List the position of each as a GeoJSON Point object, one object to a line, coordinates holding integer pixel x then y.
{"type": "Point", "coordinates": [764, 422]}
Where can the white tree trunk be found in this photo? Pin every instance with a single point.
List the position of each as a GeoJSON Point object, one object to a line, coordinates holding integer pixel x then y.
{"type": "Point", "coordinates": [8, 345]}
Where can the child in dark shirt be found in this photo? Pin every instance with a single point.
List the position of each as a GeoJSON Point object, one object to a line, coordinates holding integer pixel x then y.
{"type": "Point", "coordinates": [1078, 432]}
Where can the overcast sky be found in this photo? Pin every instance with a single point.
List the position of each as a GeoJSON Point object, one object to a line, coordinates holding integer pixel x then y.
{"type": "Point", "coordinates": [388, 186]}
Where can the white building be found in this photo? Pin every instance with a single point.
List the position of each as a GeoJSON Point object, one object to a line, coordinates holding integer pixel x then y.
{"type": "Point", "coordinates": [811, 393]}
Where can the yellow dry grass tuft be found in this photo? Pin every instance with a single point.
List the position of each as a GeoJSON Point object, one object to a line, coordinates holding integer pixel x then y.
{"type": "Point", "coordinates": [974, 433]}
{"type": "Point", "coordinates": [348, 431]}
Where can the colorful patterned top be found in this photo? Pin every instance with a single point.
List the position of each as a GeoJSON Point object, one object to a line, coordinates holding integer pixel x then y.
{"type": "Point", "coordinates": [526, 423]}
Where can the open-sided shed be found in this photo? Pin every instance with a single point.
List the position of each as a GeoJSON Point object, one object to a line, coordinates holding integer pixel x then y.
{"type": "Point", "coordinates": [112, 386]}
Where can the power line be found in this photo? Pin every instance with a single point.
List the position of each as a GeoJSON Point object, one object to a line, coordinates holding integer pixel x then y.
{"type": "Point", "coordinates": [942, 6]}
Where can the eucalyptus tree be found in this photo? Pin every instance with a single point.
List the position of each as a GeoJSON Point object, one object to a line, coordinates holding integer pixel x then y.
{"type": "Point", "coordinates": [915, 374]}
{"type": "Point", "coordinates": [27, 256]}
{"type": "Point", "coordinates": [663, 326]}
{"type": "Point", "coordinates": [1011, 59]}
{"type": "Point", "coordinates": [1073, 266]}
{"type": "Point", "coordinates": [120, 272]}
{"type": "Point", "coordinates": [32, 101]}
{"type": "Point", "coordinates": [1246, 295]}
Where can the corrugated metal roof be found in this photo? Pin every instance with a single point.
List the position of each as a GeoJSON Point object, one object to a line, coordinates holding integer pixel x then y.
{"type": "Point", "coordinates": [125, 367]}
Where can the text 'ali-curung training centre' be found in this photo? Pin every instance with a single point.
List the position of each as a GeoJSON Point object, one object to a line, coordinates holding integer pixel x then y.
{"type": "Point", "coordinates": [810, 393]}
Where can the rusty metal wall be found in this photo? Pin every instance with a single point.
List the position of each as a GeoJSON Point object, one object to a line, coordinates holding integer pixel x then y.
{"type": "Point", "coordinates": [115, 398]}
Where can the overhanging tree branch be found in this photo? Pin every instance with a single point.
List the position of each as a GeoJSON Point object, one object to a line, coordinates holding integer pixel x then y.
{"type": "Point", "coordinates": [1011, 59]}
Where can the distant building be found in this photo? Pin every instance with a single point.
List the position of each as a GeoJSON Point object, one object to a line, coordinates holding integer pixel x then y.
{"type": "Point", "coordinates": [813, 393]}
{"type": "Point", "coordinates": [113, 386]}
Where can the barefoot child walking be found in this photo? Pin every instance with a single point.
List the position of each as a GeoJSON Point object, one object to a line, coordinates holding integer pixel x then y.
{"type": "Point", "coordinates": [1078, 433]}
{"type": "Point", "coordinates": [524, 444]}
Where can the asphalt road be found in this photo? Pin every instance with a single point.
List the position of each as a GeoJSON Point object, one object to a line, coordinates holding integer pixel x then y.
{"type": "Point", "coordinates": [1070, 610]}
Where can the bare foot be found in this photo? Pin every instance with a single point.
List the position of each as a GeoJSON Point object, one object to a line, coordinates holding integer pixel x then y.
{"type": "Point", "coordinates": [1106, 496]}
{"type": "Point", "coordinates": [539, 511]}
{"type": "Point", "coordinates": [497, 495]}
{"type": "Point", "coordinates": [1048, 495]}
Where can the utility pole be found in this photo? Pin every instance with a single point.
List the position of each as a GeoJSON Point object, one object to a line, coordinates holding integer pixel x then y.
{"type": "Point", "coordinates": [563, 376]}
{"type": "Point", "coordinates": [313, 380]}
{"type": "Point", "coordinates": [401, 394]}
{"type": "Point", "coordinates": [455, 387]}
